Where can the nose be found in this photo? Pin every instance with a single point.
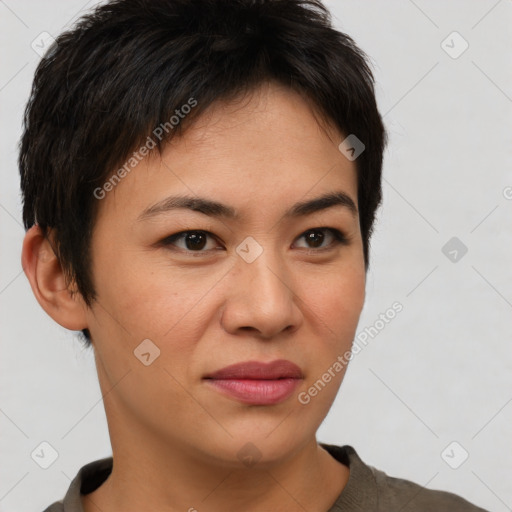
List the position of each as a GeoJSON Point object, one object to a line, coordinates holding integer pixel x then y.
{"type": "Point", "coordinates": [262, 297]}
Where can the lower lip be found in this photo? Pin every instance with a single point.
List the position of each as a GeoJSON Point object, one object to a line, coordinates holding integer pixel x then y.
{"type": "Point", "coordinates": [257, 392]}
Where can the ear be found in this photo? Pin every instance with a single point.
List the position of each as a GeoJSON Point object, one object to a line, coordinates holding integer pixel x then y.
{"type": "Point", "coordinates": [48, 283]}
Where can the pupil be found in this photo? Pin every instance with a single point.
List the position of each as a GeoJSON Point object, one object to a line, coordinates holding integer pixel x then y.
{"type": "Point", "coordinates": [315, 237]}
{"type": "Point", "coordinates": [195, 241]}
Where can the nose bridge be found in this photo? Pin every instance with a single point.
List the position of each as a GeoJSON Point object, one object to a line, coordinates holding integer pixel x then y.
{"type": "Point", "coordinates": [266, 268]}
{"type": "Point", "coordinates": [262, 298]}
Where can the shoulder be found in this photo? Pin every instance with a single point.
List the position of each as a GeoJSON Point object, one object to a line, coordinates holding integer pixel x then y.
{"type": "Point", "coordinates": [88, 478]}
{"type": "Point", "coordinates": [58, 506]}
{"type": "Point", "coordinates": [369, 488]}
{"type": "Point", "coordinates": [409, 496]}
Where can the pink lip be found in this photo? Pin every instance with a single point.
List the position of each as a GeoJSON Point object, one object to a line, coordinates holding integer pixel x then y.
{"type": "Point", "coordinates": [257, 383]}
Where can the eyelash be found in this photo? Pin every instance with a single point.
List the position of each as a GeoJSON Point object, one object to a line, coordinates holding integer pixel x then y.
{"type": "Point", "coordinates": [339, 239]}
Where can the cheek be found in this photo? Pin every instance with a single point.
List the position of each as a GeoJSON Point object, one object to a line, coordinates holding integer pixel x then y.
{"type": "Point", "coordinates": [136, 304]}
{"type": "Point", "coordinates": [334, 312]}
{"type": "Point", "coordinates": [337, 302]}
{"type": "Point", "coordinates": [160, 303]}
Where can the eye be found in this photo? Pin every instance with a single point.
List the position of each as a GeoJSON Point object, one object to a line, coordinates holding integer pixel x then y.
{"type": "Point", "coordinates": [316, 237]}
{"type": "Point", "coordinates": [194, 241]}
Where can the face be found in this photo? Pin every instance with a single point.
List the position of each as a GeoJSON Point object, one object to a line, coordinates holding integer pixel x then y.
{"type": "Point", "coordinates": [184, 292]}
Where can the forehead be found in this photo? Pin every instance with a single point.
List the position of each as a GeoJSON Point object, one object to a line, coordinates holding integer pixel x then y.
{"type": "Point", "coordinates": [267, 148]}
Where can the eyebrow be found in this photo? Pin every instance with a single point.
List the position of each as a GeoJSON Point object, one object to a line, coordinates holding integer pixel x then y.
{"type": "Point", "coordinates": [217, 209]}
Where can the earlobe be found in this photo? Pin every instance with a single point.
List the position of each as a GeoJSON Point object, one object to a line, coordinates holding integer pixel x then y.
{"type": "Point", "coordinates": [48, 281]}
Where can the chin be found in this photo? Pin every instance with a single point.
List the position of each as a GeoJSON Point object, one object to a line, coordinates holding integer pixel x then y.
{"type": "Point", "coordinates": [263, 446]}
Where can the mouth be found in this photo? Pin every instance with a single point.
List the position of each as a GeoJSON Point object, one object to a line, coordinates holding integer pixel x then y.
{"type": "Point", "coordinates": [257, 383]}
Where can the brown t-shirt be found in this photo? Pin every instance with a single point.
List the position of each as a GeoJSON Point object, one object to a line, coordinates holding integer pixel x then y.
{"type": "Point", "coordinates": [367, 490]}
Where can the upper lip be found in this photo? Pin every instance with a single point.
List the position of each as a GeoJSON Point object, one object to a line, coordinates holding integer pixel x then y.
{"type": "Point", "coordinates": [278, 369]}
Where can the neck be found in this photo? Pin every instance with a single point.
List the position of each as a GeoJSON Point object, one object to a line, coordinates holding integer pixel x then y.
{"type": "Point", "coordinates": [146, 479]}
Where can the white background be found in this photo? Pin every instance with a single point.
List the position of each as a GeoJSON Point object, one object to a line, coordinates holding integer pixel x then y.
{"type": "Point", "coordinates": [441, 371]}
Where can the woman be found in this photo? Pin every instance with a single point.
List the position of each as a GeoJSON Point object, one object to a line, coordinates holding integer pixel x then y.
{"type": "Point", "coordinates": [212, 172]}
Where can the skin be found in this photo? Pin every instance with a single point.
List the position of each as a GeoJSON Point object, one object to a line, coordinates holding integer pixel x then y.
{"type": "Point", "coordinates": [175, 438]}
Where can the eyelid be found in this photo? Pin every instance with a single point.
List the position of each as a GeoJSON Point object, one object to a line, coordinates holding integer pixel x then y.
{"type": "Point", "coordinates": [168, 241]}
{"type": "Point", "coordinates": [340, 238]}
